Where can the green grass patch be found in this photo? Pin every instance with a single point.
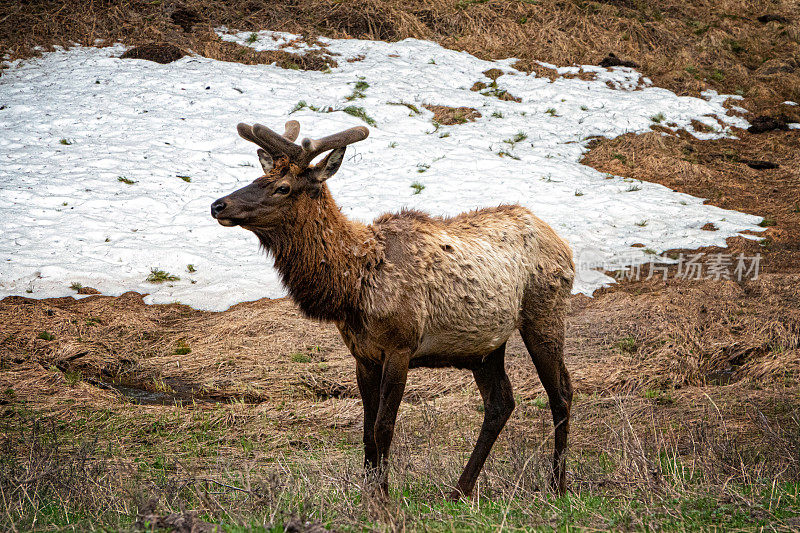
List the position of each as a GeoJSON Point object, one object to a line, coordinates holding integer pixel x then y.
{"type": "Point", "coordinates": [182, 348]}
{"type": "Point", "coordinates": [359, 112]}
{"type": "Point", "coordinates": [518, 137]}
{"type": "Point", "coordinates": [300, 358]}
{"type": "Point", "coordinates": [506, 153]}
{"type": "Point", "coordinates": [243, 468]}
{"type": "Point", "coordinates": [626, 344]}
{"type": "Point", "coordinates": [160, 276]}
{"type": "Point", "coordinates": [358, 90]}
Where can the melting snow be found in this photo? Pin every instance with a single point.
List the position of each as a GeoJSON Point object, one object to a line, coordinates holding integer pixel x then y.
{"type": "Point", "coordinates": [67, 217]}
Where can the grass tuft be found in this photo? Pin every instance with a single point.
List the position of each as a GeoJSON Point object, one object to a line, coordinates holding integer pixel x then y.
{"type": "Point", "coordinates": [518, 137]}
{"type": "Point", "coordinates": [300, 358]}
{"type": "Point", "coordinates": [359, 112]}
{"type": "Point", "coordinates": [506, 153]}
{"type": "Point", "coordinates": [182, 349]}
{"type": "Point", "coordinates": [160, 276]}
{"type": "Point", "coordinates": [414, 110]}
{"type": "Point", "coordinates": [626, 344]}
{"type": "Point", "coordinates": [358, 90]}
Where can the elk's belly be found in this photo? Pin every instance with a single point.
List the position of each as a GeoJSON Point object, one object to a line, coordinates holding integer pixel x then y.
{"type": "Point", "coordinates": [464, 340]}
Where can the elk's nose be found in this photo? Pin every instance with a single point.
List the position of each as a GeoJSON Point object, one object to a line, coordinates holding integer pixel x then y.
{"type": "Point", "coordinates": [218, 207]}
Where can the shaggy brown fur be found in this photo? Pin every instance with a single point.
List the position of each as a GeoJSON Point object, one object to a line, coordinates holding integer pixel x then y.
{"type": "Point", "coordinates": [412, 290]}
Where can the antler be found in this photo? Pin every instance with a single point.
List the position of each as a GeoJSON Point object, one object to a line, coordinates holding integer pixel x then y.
{"type": "Point", "coordinates": [302, 155]}
{"type": "Point", "coordinates": [270, 141]}
{"type": "Point", "coordinates": [312, 148]}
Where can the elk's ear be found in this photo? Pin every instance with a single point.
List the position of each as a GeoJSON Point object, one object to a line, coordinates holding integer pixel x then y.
{"type": "Point", "coordinates": [328, 166]}
{"type": "Point", "coordinates": [266, 161]}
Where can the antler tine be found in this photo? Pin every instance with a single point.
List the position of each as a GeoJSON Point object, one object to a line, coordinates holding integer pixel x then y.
{"type": "Point", "coordinates": [246, 132]}
{"type": "Point", "coordinates": [313, 147]}
{"type": "Point", "coordinates": [270, 141]}
{"type": "Point", "coordinates": [292, 130]}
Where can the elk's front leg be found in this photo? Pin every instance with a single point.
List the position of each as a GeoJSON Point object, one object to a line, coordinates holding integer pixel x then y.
{"type": "Point", "coordinates": [368, 375]}
{"type": "Point", "coordinates": [393, 383]}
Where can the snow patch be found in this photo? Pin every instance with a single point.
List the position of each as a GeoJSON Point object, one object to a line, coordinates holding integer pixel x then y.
{"type": "Point", "coordinates": [68, 216]}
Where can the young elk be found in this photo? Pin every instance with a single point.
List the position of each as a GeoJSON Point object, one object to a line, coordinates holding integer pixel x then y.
{"type": "Point", "coordinates": [411, 290]}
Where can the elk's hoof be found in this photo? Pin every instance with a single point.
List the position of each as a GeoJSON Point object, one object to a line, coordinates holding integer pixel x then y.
{"type": "Point", "coordinates": [455, 496]}
{"type": "Point", "coordinates": [559, 486]}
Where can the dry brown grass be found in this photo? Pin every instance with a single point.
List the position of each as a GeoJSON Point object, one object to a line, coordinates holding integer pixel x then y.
{"type": "Point", "coordinates": [717, 170]}
{"type": "Point", "coordinates": [672, 334]}
{"type": "Point", "coordinates": [449, 116]}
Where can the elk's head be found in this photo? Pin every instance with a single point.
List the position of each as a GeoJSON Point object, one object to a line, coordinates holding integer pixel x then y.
{"type": "Point", "coordinates": [288, 174]}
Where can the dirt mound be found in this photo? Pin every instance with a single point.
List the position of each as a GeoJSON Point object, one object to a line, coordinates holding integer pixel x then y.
{"type": "Point", "coordinates": [611, 60]}
{"type": "Point", "coordinates": [159, 52]}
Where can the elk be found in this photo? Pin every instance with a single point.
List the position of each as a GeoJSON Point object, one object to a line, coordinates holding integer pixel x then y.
{"type": "Point", "coordinates": [412, 290]}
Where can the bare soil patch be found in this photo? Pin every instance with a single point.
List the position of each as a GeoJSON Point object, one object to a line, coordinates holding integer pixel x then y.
{"type": "Point", "coordinates": [159, 52]}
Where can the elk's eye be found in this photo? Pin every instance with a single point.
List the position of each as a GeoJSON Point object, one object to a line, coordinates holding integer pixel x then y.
{"type": "Point", "coordinates": [283, 189]}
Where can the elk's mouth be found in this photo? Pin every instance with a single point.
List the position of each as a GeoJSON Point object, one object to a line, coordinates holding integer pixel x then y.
{"type": "Point", "coordinates": [229, 222]}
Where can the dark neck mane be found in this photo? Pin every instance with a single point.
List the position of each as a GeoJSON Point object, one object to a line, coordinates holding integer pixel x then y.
{"type": "Point", "coordinates": [323, 257]}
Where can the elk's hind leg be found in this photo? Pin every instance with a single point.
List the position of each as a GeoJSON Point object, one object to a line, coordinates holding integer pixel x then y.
{"type": "Point", "coordinates": [498, 403]}
{"type": "Point", "coordinates": [543, 334]}
{"type": "Point", "coordinates": [368, 375]}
